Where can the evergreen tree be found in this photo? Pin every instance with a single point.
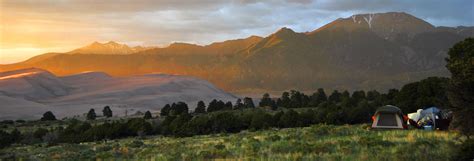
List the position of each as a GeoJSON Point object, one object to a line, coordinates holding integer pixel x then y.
{"type": "Point", "coordinates": [461, 87]}
{"type": "Point", "coordinates": [318, 97]}
{"type": "Point", "coordinates": [284, 101]}
{"type": "Point", "coordinates": [48, 116]}
{"type": "Point", "coordinates": [179, 108]}
{"type": "Point", "coordinates": [91, 114]}
{"type": "Point", "coordinates": [201, 107]}
{"type": "Point", "coordinates": [265, 101]}
{"type": "Point", "coordinates": [238, 104]}
{"type": "Point", "coordinates": [248, 102]}
{"type": "Point", "coordinates": [107, 112]}
{"type": "Point", "coordinates": [165, 110]}
{"type": "Point", "coordinates": [228, 105]}
{"type": "Point", "coordinates": [147, 115]}
{"type": "Point", "coordinates": [335, 97]}
{"type": "Point", "coordinates": [213, 106]}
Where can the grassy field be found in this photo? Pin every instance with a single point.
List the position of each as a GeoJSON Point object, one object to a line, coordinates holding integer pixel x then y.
{"type": "Point", "coordinates": [318, 142]}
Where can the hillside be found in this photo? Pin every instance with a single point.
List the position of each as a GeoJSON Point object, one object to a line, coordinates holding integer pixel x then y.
{"type": "Point", "coordinates": [365, 51]}
{"type": "Point", "coordinates": [31, 92]}
{"type": "Point", "coordinates": [318, 142]}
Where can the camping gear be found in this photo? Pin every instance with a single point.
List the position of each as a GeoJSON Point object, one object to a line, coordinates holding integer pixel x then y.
{"type": "Point", "coordinates": [388, 117]}
{"type": "Point", "coordinates": [433, 116]}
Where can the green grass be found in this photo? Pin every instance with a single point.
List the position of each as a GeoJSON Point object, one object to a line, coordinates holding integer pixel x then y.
{"type": "Point", "coordinates": [318, 142]}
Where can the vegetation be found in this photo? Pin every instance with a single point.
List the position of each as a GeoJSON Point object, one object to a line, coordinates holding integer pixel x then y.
{"type": "Point", "coordinates": [147, 115]}
{"type": "Point", "coordinates": [461, 93]}
{"type": "Point", "coordinates": [48, 116]}
{"type": "Point", "coordinates": [107, 112]}
{"type": "Point", "coordinates": [317, 142]}
{"type": "Point", "coordinates": [91, 114]}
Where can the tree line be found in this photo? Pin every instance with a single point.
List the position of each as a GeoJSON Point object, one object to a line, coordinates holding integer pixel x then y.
{"type": "Point", "coordinates": [291, 109]}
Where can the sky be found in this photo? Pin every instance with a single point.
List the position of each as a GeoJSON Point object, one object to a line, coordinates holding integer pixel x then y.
{"type": "Point", "coordinates": [29, 28]}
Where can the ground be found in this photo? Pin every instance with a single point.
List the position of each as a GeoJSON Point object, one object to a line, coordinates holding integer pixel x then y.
{"type": "Point", "coordinates": [318, 142]}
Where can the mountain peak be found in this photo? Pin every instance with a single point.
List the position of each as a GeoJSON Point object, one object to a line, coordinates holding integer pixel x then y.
{"type": "Point", "coordinates": [386, 25]}
{"type": "Point", "coordinates": [285, 30]}
{"type": "Point", "coordinates": [110, 47]}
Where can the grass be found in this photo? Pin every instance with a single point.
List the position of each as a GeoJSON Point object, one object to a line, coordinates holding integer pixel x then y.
{"type": "Point", "coordinates": [318, 142]}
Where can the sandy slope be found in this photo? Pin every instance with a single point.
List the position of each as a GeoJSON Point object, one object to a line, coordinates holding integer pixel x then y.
{"type": "Point", "coordinates": [28, 93]}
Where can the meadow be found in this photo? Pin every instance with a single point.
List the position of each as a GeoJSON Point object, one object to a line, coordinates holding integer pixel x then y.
{"type": "Point", "coordinates": [317, 142]}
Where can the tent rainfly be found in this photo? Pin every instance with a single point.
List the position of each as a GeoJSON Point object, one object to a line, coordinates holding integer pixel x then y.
{"type": "Point", "coordinates": [388, 117]}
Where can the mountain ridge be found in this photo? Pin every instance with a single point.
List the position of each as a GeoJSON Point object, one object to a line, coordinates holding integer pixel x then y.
{"type": "Point", "coordinates": [342, 54]}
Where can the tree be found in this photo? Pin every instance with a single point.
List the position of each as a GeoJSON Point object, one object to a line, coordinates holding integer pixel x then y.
{"type": "Point", "coordinates": [318, 97]}
{"type": "Point", "coordinates": [201, 107]}
{"type": "Point", "coordinates": [284, 101]}
{"type": "Point", "coordinates": [238, 104]}
{"type": "Point", "coordinates": [335, 97]}
{"type": "Point", "coordinates": [248, 102]}
{"type": "Point", "coordinates": [107, 111]}
{"type": "Point", "coordinates": [265, 101]}
{"type": "Point", "coordinates": [260, 120]}
{"type": "Point", "coordinates": [179, 108]}
{"type": "Point", "coordinates": [289, 119]}
{"type": "Point", "coordinates": [461, 87]}
{"type": "Point", "coordinates": [212, 106]}
{"type": "Point", "coordinates": [147, 115]}
{"type": "Point", "coordinates": [422, 94]}
{"type": "Point", "coordinates": [165, 111]}
{"type": "Point", "coordinates": [91, 114]}
{"type": "Point", "coordinates": [228, 105]}
{"type": "Point", "coordinates": [48, 116]}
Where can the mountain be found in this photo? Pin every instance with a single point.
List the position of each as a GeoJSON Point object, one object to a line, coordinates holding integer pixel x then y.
{"type": "Point", "coordinates": [28, 93]}
{"type": "Point", "coordinates": [364, 51]}
{"type": "Point", "coordinates": [110, 47]}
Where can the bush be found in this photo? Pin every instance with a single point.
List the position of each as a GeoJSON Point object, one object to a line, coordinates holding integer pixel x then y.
{"type": "Point", "coordinates": [465, 151]}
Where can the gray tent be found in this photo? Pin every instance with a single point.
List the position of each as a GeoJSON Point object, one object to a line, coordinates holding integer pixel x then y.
{"type": "Point", "coordinates": [388, 117]}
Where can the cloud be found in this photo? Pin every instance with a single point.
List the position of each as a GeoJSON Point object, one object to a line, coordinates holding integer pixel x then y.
{"type": "Point", "coordinates": [53, 24]}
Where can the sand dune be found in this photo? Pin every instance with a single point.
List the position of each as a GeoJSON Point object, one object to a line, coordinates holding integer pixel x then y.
{"type": "Point", "coordinates": [27, 93]}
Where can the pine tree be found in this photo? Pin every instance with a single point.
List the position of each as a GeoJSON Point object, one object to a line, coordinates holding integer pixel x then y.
{"type": "Point", "coordinates": [461, 88]}
{"type": "Point", "coordinates": [147, 115]}
{"type": "Point", "coordinates": [48, 116]}
{"type": "Point", "coordinates": [107, 112]}
{"type": "Point", "coordinates": [201, 107]}
{"type": "Point", "coordinates": [91, 114]}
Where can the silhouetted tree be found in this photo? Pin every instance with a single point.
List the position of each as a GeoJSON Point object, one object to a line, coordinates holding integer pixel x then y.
{"type": "Point", "coordinates": [91, 114]}
{"type": "Point", "coordinates": [228, 105]}
{"type": "Point", "coordinates": [284, 101]}
{"type": "Point", "coordinates": [318, 97]}
{"type": "Point", "coordinates": [48, 116]}
{"type": "Point", "coordinates": [107, 112]}
{"type": "Point", "coordinates": [265, 101]}
{"type": "Point", "coordinates": [335, 97]}
{"type": "Point", "coordinates": [239, 104]}
{"type": "Point", "coordinates": [165, 111]}
{"type": "Point", "coordinates": [200, 108]}
{"type": "Point", "coordinates": [248, 102]}
{"type": "Point", "coordinates": [147, 115]}
{"type": "Point", "coordinates": [179, 108]}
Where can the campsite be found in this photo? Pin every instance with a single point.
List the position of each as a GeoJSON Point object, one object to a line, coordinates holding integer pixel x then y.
{"type": "Point", "coordinates": [298, 80]}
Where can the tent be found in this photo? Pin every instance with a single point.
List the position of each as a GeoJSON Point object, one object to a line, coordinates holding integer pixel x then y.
{"type": "Point", "coordinates": [432, 117]}
{"type": "Point", "coordinates": [388, 117]}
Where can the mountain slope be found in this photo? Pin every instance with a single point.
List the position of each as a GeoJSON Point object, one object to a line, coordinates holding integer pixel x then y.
{"type": "Point", "coordinates": [366, 51]}
{"type": "Point", "coordinates": [35, 91]}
